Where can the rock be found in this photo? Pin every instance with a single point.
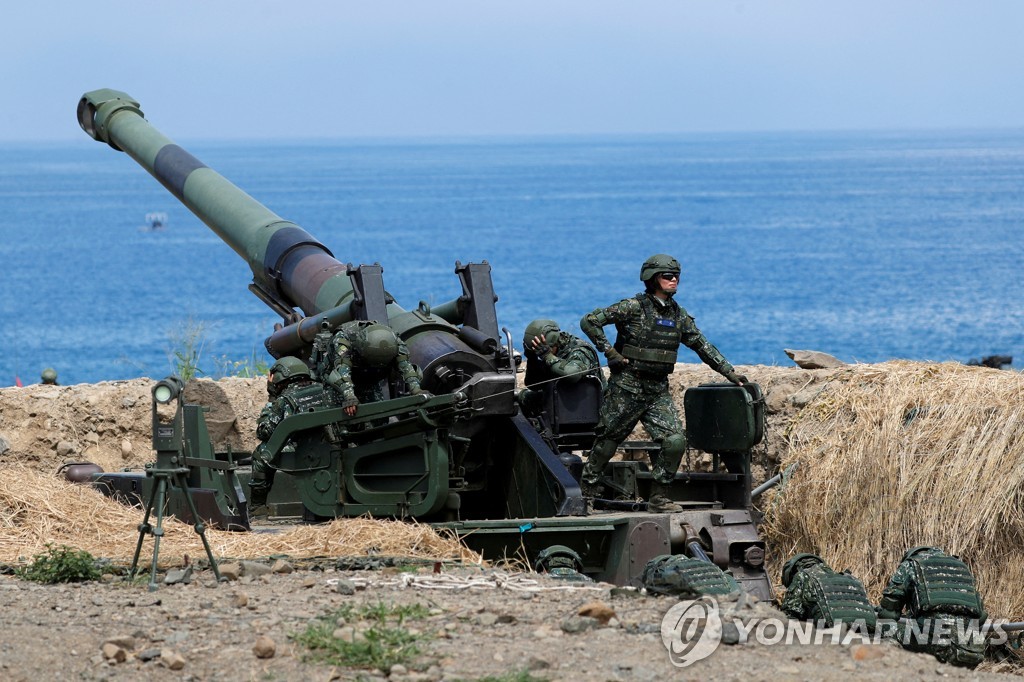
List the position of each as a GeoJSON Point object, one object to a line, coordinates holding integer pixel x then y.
{"type": "Point", "coordinates": [345, 634]}
{"type": "Point", "coordinates": [254, 569]}
{"type": "Point", "coordinates": [487, 618]}
{"type": "Point", "coordinates": [787, 670]}
{"type": "Point", "coordinates": [126, 448]}
{"type": "Point", "coordinates": [344, 587]}
{"type": "Point", "coordinates": [599, 611]}
{"type": "Point", "coordinates": [147, 655]}
{"type": "Point", "coordinates": [308, 581]}
{"type": "Point", "coordinates": [65, 448]}
{"type": "Point", "coordinates": [4, 445]}
{"type": "Point", "coordinates": [730, 633]}
{"type": "Point", "coordinates": [178, 575]}
{"type": "Point", "coordinates": [281, 566]}
{"type": "Point", "coordinates": [171, 659]}
{"type": "Point", "coordinates": [113, 652]}
{"type": "Point", "coordinates": [399, 669]}
{"type": "Point", "coordinates": [239, 600]}
{"type": "Point", "coordinates": [128, 402]}
{"type": "Point", "coordinates": [230, 571]}
{"type": "Point", "coordinates": [92, 438]}
{"type": "Point", "coordinates": [264, 647]}
{"type": "Point", "coordinates": [866, 652]}
{"type": "Point", "coordinates": [126, 642]}
{"type": "Point", "coordinates": [812, 359]}
{"type": "Point", "coordinates": [534, 663]}
{"type": "Point", "coordinates": [576, 624]}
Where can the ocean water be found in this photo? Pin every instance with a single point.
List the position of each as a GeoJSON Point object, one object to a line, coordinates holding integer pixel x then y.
{"type": "Point", "coordinates": [868, 246]}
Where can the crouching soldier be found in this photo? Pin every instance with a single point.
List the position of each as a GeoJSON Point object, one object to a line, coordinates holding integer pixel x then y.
{"type": "Point", "coordinates": [682, 576]}
{"type": "Point", "coordinates": [817, 593]}
{"type": "Point", "coordinates": [940, 597]}
{"type": "Point", "coordinates": [291, 390]}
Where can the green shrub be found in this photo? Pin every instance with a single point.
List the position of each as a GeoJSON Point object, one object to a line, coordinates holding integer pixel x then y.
{"type": "Point", "coordinates": [385, 641]}
{"type": "Point", "coordinates": [60, 565]}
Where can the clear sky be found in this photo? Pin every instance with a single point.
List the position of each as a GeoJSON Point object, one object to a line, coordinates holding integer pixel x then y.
{"type": "Point", "coordinates": [336, 68]}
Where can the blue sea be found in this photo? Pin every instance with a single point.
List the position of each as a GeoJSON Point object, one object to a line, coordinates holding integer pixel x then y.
{"type": "Point", "coordinates": [868, 246]}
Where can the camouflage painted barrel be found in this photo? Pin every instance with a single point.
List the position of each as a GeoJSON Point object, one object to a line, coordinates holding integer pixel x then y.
{"type": "Point", "coordinates": [288, 264]}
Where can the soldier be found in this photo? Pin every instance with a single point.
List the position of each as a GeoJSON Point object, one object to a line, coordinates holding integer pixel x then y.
{"type": "Point", "coordinates": [561, 562]}
{"type": "Point", "coordinates": [49, 376]}
{"type": "Point", "coordinates": [362, 354]}
{"type": "Point", "coordinates": [650, 326]}
{"type": "Point", "coordinates": [291, 390]}
{"type": "Point", "coordinates": [939, 593]}
{"type": "Point", "coordinates": [817, 593]}
{"type": "Point", "coordinates": [686, 577]}
{"type": "Point", "coordinates": [554, 354]}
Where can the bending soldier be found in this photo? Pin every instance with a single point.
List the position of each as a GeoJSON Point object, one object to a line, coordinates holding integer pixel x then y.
{"type": "Point", "coordinates": [939, 594]}
{"type": "Point", "coordinates": [291, 390]}
{"type": "Point", "coordinates": [650, 326]}
{"type": "Point", "coordinates": [362, 355]}
{"type": "Point", "coordinates": [554, 354]}
{"type": "Point", "coordinates": [817, 593]}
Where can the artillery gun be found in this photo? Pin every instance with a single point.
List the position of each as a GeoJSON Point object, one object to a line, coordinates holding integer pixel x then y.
{"type": "Point", "coordinates": [465, 459]}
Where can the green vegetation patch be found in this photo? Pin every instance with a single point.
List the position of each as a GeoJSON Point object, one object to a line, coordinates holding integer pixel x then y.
{"type": "Point", "coordinates": [60, 565]}
{"type": "Point", "coordinates": [378, 636]}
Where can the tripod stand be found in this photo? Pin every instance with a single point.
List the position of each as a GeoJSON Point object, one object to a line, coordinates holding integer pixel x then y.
{"type": "Point", "coordinates": [163, 477]}
{"type": "Point", "coordinates": [168, 471]}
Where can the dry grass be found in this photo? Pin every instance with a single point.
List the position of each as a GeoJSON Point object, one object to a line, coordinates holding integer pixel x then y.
{"type": "Point", "coordinates": [36, 509]}
{"type": "Point", "coordinates": [903, 454]}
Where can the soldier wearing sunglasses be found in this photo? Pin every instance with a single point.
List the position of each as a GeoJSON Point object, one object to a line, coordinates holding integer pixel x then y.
{"type": "Point", "coordinates": [651, 326]}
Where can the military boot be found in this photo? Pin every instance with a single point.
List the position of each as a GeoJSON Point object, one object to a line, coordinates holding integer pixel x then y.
{"type": "Point", "coordinates": [659, 502]}
{"type": "Point", "coordinates": [258, 503]}
{"type": "Point", "coordinates": [591, 490]}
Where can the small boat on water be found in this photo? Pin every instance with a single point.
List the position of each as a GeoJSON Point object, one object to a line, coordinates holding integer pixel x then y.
{"type": "Point", "coordinates": [154, 222]}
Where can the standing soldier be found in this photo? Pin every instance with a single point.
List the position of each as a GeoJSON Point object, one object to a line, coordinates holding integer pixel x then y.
{"type": "Point", "coordinates": [650, 326]}
{"type": "Point", "coordinates": [291, 390]}
{"type": "Point", "coordinates": [817, 593]}
{"type": "Point", "coordinates": [554, 354]}
{"type": "Point", "coordinates": [939, 593]}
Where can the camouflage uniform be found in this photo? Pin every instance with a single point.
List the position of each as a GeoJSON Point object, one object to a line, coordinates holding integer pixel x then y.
{"type": "Point", "coordinates": [301, 396]}
{"type": "Point", "coordinates": [353, 378]}
{"type": "Point", "coordinates": [817, 593]}
{"type": "Point", "coordinates": [649, 333]}
{"type": "Point", "coordinates": [683, 576]}
{"type": "Point", "coordinates": [936, 589]}
{"type": "Point", "coordinates": [570, 361]}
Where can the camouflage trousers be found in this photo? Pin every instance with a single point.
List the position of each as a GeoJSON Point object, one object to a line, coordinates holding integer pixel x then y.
{"type": "Point", "coordinates": [262, 476]}
{"type": "Point", "coordinates": [962, 647]}
{"type": "Point", "coordinates": [628, 399]}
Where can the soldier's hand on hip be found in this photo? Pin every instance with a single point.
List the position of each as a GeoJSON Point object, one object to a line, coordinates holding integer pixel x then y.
{"type": "Point", "coordinates": [615, 359]}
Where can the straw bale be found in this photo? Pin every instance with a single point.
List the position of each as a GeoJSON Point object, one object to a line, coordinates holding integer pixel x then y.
{"type": "Point", "coordinates": [36, 509]}
{"type": "Point", "coordinates": [902, 454]}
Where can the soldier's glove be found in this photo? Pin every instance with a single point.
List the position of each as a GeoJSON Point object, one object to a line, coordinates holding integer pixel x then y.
{"type": "Point", "coordinates": [885, 614]}
{"type": "Point", "coordinates": [420, 391]}
{"type": "Point", "coordinates": [615, 359]}
{"type": "Point", "coordinates": [736, 378]}
{"type": "Point", "coordinates": [540, 349]}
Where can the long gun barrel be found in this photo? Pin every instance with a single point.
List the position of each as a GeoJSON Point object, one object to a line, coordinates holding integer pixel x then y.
{"type": "Point", "coordinates": [289, 266]}
{"type": "Point", "coordinates": [292, 269]}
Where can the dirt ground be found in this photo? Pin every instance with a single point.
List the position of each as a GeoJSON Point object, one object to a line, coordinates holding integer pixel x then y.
{"type": "Point", "coordinates": [475, 623]}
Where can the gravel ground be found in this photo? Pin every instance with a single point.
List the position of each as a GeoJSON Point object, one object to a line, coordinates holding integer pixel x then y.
{"type": "Point", "coordinates": [506, 627]}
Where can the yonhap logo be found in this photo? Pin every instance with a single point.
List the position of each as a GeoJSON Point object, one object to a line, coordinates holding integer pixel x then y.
{"type": "Point", "coordinates": [691, 631]}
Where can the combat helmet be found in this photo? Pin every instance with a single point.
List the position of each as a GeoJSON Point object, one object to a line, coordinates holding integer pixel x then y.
{"type": "Point", "coordinates": [287, 370]}
{"type": "Point", "coordinates": [546, 329]}
{"type": "Point", "coordinates": [377, 345]}
{"type": "Point", "coordinates": [558, 556]}
{"type": "Point", "coordinates": [917, 550]}
{"type": "Point", "coordinates": [659, 262]}
{"type": "Point", "coordinates": [49, 376]}
{"type": "Point", "coordinates": [800, 561]}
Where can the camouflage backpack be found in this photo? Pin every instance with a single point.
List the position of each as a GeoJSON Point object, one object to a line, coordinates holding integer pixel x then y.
{"type": "Point", "coordinates": [944, 584]}
{"type": "Point", "coordinates": [684, 576]}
